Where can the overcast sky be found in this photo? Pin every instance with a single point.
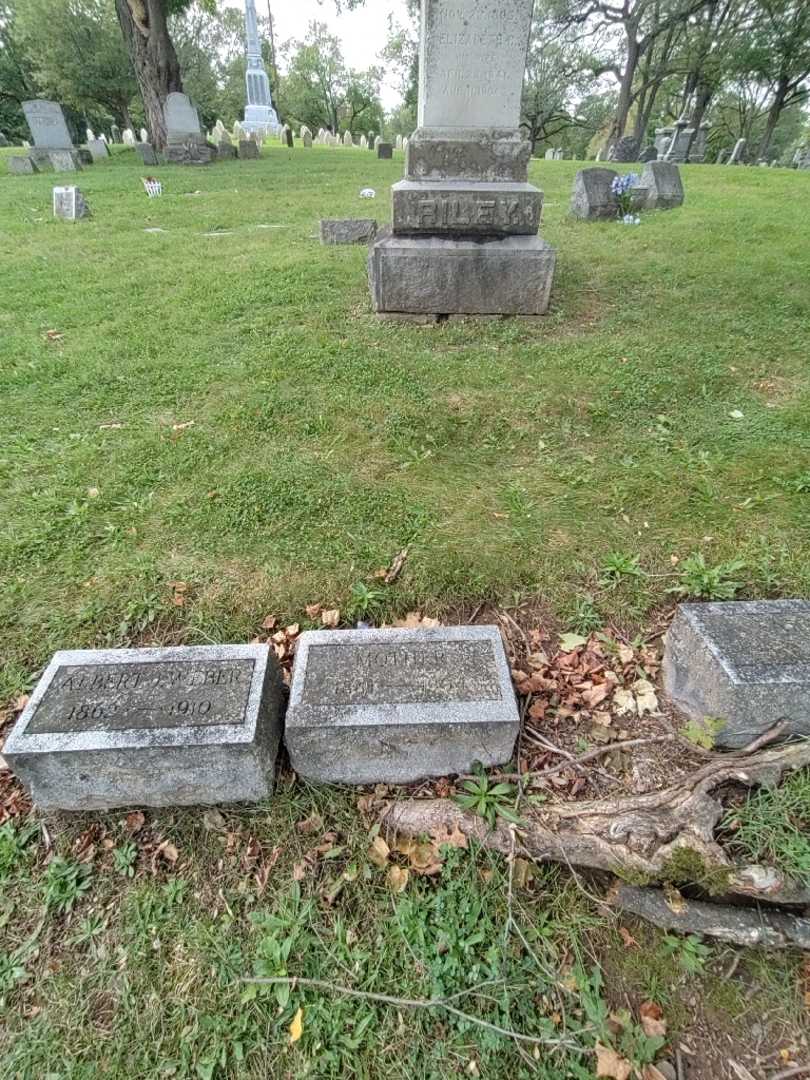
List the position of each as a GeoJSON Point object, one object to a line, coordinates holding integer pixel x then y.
{"type": "Point", "coordinates": [362, 33]}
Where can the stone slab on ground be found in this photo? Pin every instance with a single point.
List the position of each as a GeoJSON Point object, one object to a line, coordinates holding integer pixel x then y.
{"type": "Point", "coordinates": [98, 149]}
{"type": "Point", "coordinates": [65, 160]}
{"type": "Point", "coordinates": [455, 207]}
{"type": "Point", "coordinates": [385, 151]}
{"type": "Point", "coordinates": [434, 275]}
{"type": "Point", "coordinates": [392, 706]}
{"type": "Point", "coordinates": [20, 166]}
{"type": "Point", "coordinates": [150, 727]}
{"type": "Point", "coordinates": [347, 230]}
{"type": "Point", "coordinates": [744, 663]}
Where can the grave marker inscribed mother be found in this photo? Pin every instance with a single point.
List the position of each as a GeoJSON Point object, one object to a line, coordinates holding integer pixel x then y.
{"type": "Point", "coordinates": [471, 63]}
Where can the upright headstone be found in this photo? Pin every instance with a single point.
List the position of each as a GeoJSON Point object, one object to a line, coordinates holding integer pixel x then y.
{"type": "Point", "coordinates": [98, 149]}
{"type": "Point", "coordinates": [248, 150]}
{"type": "Point", "coordinates": [225, 150]}
{"type": "Point", "coordinates": [377, 141]}
{"type": "Point", "coordinates": [649, 153]}
{"type": "Point", "coordinates": [3, 140]}
{"type": "Point", "coordinates": [722, 155]}
{"type": "Point", "coordinates": [115, 132]}
{"type": "Point", "coordinates": [48, 130]}
{"type": "Point", "coordinates": [144, 135]}
{"type": "Point", "coordinates": [150, 727]}
{"type": "Point", "coordinates": [741, 667]}
{"type": "Point", "coordinates": [363, 142]}
{"type": "Point", "coordinates": [306, 137]}
{"type": "Point", "coordinates": [592, 198]}
{"type": "Point", "coordinates": [220, 131]}
{"type": "Point", "coordinates": [393, 706]}
{"type": "Point", "coordinates": [347, 139]}
{"type": "Point", "coordinates": [662, 182]}
{"type": "Point", "coordinates": [84, 155]}
{"type": "Point", "coordinates": [290, 140]}
{"type": "Point", "coordinates": [128, 137]}
{"type": "Point", "coordinates": [146, 152]}
{"type": "Point", "coordinates": [185, 141]}
{"type": "Point", "coordinates": [549, 154]}
{"type": "Point", "coordinates": [737, 152]}
{"type": "Point", "coordinates": [467, 175]}
{"type": "Point", "coordinates": [89, 136]}
{"type": "Point", "coordinates": [625, 149]}
{"type": "Point", "coordinates": [398, 142]}
{"type": "Point", "coordinates": [69, 204]}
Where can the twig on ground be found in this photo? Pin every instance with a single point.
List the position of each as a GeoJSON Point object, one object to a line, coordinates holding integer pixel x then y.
{"type": "Point", "coordinates": [794, 1070]}
{"type": "Point", "coordinates": [504, 616]}
{"type": "Point", "coordinates": [577, 762]}
{"type": "Point", "coordinates": [767, 737]}
{"type": "Point", "coordinates": [415, 1003]}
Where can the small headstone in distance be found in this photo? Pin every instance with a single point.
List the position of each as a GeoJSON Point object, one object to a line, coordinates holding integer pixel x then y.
{"type": "Point", "coordinates": [85, 157]}
{"type": "Point", "coordinates": [392, 706]}
{"type": "Point", "coordinates": [248, 149]}
{"type": "Point", "coordinates": [150, 727]}
{"type": "Point", "coordinates": [649, 153]}
{"type": "Point", "coordinates": [385, 151]}
{"type": "Point", "coordinates": [289, 138]}
{"type": "Point", "coordinates": [146, 152]}
{"type": "Point", "coordinates": [662, 179]}
{"type": "Point", "coordinates": [225, 150]}
{"type": "Point", "coordinates": [21, 166]}
{"type": "Point", "coordinates": [98, 149]}
{"type": "Point", "coordinates": [306, 139]}
{"type": "Point", "coordinates": [739, 668]}
{"type": "Point", "coordinates": [592, 197]}
{"type": "Point", "coordinates": [69, 204]}
{"type": "Point", "coordinates": [348, 230]}
{"type": "Point", "coordinates": [64, 160]}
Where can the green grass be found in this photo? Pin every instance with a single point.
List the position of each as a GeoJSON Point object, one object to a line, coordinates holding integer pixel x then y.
{"type": "Point", "coordinates": [513, 458]}
{"type": "Point", "coordinates": [773, 827]}
{"type": "Point", "coordinates": [571, 460]}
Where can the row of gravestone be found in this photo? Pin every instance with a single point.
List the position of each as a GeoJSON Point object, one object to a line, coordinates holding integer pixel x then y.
{"type": "Point", "coordinates": [184, 726]}
{"type": "Point", "coordinates": [659, 188]}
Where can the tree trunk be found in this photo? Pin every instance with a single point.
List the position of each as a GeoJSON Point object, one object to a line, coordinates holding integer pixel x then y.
{"type": "Point", "coordinates": [626, 87]}
{"type": "Point", "coordinates": [146, 35]}
{"type": "Point", "coordinates": [773, 116]}
{"type": "Point", "coordinates": [704, 96]}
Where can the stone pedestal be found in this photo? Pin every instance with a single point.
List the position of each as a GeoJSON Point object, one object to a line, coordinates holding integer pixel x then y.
{"type": "Point", "coordinates": [465, 218]}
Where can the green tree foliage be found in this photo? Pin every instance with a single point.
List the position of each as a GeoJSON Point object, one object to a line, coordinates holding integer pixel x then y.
{"type": "Point", "coordinates": [210, 49]}
{"type": "Point", "coordinates": [78, 56]}
{"type": "Point", "coordinates": [321, 91]}
{"type": "Point", "coordinates": [17, 80]}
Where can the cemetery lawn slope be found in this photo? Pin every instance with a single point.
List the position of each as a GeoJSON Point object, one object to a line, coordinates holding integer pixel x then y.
{"type": "Point", "coordinates": [215, 403]}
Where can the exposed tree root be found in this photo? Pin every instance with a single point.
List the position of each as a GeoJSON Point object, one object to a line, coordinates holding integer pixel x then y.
{"type": "Point", "coordinates": [665, 835]}
{"type": "Point", "coordinates": [740, 926]}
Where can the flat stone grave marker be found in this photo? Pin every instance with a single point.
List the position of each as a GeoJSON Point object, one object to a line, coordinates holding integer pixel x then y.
{"type": "Point", "coordinates": [69, 204]}
{"type": "Point", "coordinates": [146, 152]}
{"type": "Point", "coordinates": [248, 149]}
{"type": "Point", "coordinates": [391, 706]}
{"type": "Point", "coordinates": [745, 665]}
{"type": "Point", "coordinates": [150, 727]}
{"type": "Point", "coordinates": [65, 160]}
{"type": "Point", "coordinates": [347, 230]}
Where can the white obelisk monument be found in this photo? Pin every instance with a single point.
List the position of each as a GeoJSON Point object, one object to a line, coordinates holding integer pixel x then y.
{"type": "Point", "coordinates": [260, 115]}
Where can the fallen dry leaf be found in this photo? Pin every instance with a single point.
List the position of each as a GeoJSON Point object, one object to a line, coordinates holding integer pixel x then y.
{"type": "Point", "coordinates": [379, 851]}
{"type": "Point", "coordinates": [184, 426]}
{"type": "Point", "coordinates": [395, 569]}
{"type": "Point", "coordinates": [330, 619]}
{"type": "Point", "coordinates": [397, 878]}
{"type": "Point", "coordinates": [167, 851]}
{"type": "Point", "coordinates": [453, 837]}
{"type": "Point", "coordinates": [269, 622]}
{"type": "Point", "coordinates": [53, 335]}
{"type": "Point", "coordinates": [312, 824]}
{"type": "Point", "coordinates": [652, 1019]}
{"type": "Point", "coordinates": [293, 630]}
{"type": "Point", "coordinates": [674, 901]}
{"type": "Point", "coordinates": [214, 821]}
{"type": "Point", "coordinates": [313, 611]}
{"type": "Point", "coordinates": [297, 1026]}
{"type": "Point", "coordinates": [646, 700]}
{"type": "Point", "coordinates": [610, 1064]}
{"type": "Point", "coordinates": [652, 1073]}
{"type": "Point", "coordinates": [134, 822]}
{"type": "Point", "coordinates": [628, 939]}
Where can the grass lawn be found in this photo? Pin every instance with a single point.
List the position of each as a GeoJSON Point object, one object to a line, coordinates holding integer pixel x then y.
{"type": "Point", "coordinates": [226, 411]}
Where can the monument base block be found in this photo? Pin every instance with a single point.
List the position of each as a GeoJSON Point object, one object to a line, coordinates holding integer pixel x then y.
{"type": "Point", "coordinates": [487, 276]}
{"type": "Point", "coordinates": [458, 207]}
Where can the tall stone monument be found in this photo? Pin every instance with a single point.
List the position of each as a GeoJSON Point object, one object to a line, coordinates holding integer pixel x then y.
{"type": "Point", "coordinates": [48, 128]}
{"type": "Point", "coordinates": [259, 112]}
{"type": "Point", "coordinates": [465, 219]}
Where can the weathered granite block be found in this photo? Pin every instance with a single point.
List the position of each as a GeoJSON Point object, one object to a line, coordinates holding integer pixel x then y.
{"type": "Point", "coordinates": [592, 197]}
{"type": "Point", "coordinates": [150, 727]}
{"type": "Point", "coordinates": [248, 149]}
{"type": "Point", "coordinates": [486, 276]}
{"type": "Point", "coordinates": [191, 152]}
{"type": "Point", "coordinates": [226, 151]}
{"type": "Point", "coordinates": [487, 155]}
{"type": "Point", "coordinates": [146, 152]}
{"type": "Point", "coordinates": [391, 706]}
{"type": "Point", "coordinates": [348, 230]}
{"type": "Point", "coordinates": [385, 151]}
{"type": "Point", "coordinates": [454, 207]}
{"type": "Point", "coordinates": [41, 159]}
{"type": "Point", "coordinates": [65, 160]}
{"type": "Point", "coordinates": [662, 179]}
{"type": "Point", "coordinates": [85, 157]}
{"type": "Point", "coordinates": [744, 663]}
{"type": "Point", "coordinates": [21, 166]}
